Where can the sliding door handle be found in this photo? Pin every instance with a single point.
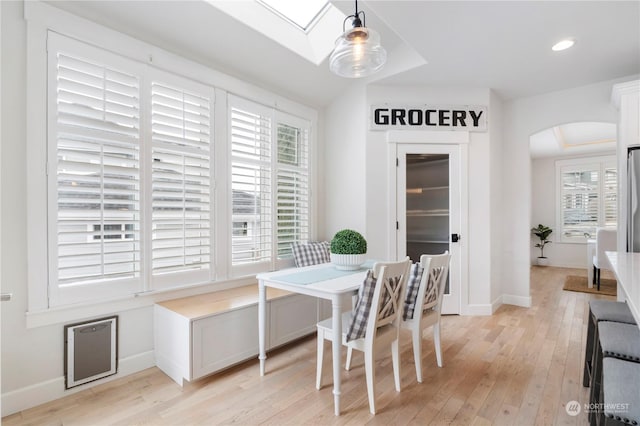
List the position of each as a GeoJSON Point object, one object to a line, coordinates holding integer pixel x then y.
{"type": "Point", "coordinates": [5, 297]}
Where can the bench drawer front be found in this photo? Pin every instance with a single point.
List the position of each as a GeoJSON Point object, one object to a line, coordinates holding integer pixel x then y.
{"type": "Point", "coordinates": [291, 317]}
{"type": "Point", "coordinates": [223, 340]}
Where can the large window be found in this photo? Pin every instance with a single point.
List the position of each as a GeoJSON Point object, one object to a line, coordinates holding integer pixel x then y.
{"type": "Point", "coordinates": [270, 185]}
{"type": "Point", "coordinates": [129, 176]}
{"type": "Point", "coordinates": [139, 198]}
{"type": "Point", "coordinates": [587, 197]}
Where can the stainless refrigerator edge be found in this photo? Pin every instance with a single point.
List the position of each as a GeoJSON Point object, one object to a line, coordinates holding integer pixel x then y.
{"type": "Point", "coordinates": [633, 197]}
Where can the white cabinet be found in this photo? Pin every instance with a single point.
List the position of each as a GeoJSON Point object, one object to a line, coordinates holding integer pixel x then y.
{"type": "Point", "coordinates": [289, 318]}
{"type": "Point", "coordinates": [223, 340]}
{"type": "Point", "coordinates": [199, 335]}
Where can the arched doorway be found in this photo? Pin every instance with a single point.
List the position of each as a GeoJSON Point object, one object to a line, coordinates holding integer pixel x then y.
{"type": "Point", "coordinates": [573, 187]}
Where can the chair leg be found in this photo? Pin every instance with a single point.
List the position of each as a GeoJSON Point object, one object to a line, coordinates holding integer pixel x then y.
{"type": "Point", "coordinates": [347, 365]}
{"type": "Point", "coordinates": [596, 380]}
{"type": "Point", "coordinates": [320, 359]}
{"type": "Point", "coordinates": [594, 275]}
{"type": "Point", "coordinates": [371, 378]}
{"type": "Point", "coordinates": [395, 357]}
{"type": "Point", "coordinates": [598, 279]}
{"type": "Point", "coordinates": [436, 342]}
{"type": "Point", "coordinates": [416, 336]}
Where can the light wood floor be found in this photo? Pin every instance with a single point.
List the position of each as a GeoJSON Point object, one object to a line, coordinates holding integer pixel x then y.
{"type": "Point", "coordinates": [518, 367]}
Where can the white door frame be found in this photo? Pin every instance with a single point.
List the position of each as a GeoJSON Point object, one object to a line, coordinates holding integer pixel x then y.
{"type": "Point", "coordinates": [461, 139]}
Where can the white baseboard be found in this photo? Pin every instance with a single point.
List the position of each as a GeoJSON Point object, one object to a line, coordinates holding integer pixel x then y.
{"type": "Point", "coordinates": [510, 299]}
{"type": "Point", "coordinates": [39, 393]}
{"type": "Point", "coordinates": [478, 309]}
{"type": "Point", "coordinates": [496, 304]}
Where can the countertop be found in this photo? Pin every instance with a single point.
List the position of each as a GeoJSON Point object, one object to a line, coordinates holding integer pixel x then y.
{"type": "Point", "coordinates": [626, 266]}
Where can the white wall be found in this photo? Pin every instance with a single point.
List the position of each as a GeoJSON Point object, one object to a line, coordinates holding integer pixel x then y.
{"type": "Point", "coordinates": [345, 156]}
{"type": "Point", "coordinates": [522, 118]}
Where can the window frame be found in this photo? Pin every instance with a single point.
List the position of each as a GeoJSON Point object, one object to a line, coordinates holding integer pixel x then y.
{"type": "Point", "coordinates": [600, 164]}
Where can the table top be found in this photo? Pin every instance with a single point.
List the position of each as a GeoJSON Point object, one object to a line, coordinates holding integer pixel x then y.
{"type": "Point", "coordinates": [316, 280]}
{"type": "Point", "coordinates": [626, 266]}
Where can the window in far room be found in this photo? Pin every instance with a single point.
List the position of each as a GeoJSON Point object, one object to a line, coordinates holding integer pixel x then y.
{"type": "Point", "coordinates": [587, 196]}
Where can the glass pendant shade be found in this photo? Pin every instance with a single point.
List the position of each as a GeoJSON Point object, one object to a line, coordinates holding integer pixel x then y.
{"type": "Point", "coordinates": [358, 53]}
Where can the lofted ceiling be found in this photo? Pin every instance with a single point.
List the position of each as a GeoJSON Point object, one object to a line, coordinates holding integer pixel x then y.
{"type": "Point", "coordinates": [502, 45]}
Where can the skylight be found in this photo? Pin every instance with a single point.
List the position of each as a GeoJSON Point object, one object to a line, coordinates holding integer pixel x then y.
{"type": "Point", "coordinates": [322, 20]}
{"type": "Point", "coordinates": [302, 13]}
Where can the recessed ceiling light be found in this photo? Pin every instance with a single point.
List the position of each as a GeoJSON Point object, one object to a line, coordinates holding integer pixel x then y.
{"type": "Point", "coordinates": [563, 44]}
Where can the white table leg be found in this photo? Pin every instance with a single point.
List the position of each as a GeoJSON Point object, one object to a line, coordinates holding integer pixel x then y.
{"type": "Point", "coordinates": [262, 311]}
{"type": "Point", "coordinates": [336, 349]}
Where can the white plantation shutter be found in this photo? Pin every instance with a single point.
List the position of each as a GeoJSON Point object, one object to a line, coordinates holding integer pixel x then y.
{"type": "Point", "coordinates": [588, 198]}
{"type": "Point", "coordinates": [251, 177]}
{"type": "Point", "coordinates": [269, 183]}
{"type": "Point", "coordinates": [95, 147]}
{"type": "Point", "coordinates": [130, 181]}
{"type": "Point", "coordinates": [181, 179]}
{"type": "Point", "coordinates": [292, 202]}
{"type": "Point", "coordinates": [610, 196]}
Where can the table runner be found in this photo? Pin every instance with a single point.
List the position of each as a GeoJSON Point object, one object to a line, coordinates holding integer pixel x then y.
{"type": "Point", "coordinates": [328, 273]}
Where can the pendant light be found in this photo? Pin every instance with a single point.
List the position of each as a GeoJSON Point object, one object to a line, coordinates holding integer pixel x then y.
{"type": "Point", "coordinates": [358, 52]}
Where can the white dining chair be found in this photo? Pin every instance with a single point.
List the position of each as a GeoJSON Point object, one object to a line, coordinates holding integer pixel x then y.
{"type": "Point", "coordinates": [374, 322]}
{"type": "Point", "coordinates": [606, 240]}
{"type": "Point", "coordinates": [423, 304]}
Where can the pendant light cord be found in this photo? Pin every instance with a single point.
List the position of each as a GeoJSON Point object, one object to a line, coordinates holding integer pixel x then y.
{"type": "Point", "coordinates": [356, 19]}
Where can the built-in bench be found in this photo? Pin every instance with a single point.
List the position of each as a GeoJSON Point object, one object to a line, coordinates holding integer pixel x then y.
{"type": "Point", "coordinates": [200, 335]}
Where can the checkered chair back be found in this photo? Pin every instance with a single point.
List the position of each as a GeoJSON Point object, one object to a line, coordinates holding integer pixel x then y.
{"type": "Point", "coordinates": [388, 297]}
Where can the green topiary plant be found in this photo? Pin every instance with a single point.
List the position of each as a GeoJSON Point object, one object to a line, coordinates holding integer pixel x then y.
{"type": "Point", "coordinates": [543, 233]}
{"type": "Point", "coordinates": [348, 241]}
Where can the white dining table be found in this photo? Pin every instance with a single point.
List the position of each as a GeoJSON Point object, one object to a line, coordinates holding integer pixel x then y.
{"type": "Point", "coordinates": [323, 281]}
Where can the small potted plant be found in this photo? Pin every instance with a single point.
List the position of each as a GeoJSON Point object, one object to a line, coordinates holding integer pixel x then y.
{"type": "Point", "coordinates": [542, 232]}
{"type": "Point", "coordinates": [348, 248]}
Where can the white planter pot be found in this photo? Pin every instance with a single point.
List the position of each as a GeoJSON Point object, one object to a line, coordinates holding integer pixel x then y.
{"type": "Point", "coordinates": [543, 261]}
{"type": "Point", "coordinates": [347, 262]}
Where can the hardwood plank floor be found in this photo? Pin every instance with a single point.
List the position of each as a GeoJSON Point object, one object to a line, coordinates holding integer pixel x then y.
{"type": "Point", "coordinates": [517, 367]}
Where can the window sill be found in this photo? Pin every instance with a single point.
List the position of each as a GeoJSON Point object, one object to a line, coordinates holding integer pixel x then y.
{"type": "Point", "coordinates": [66, 314]}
